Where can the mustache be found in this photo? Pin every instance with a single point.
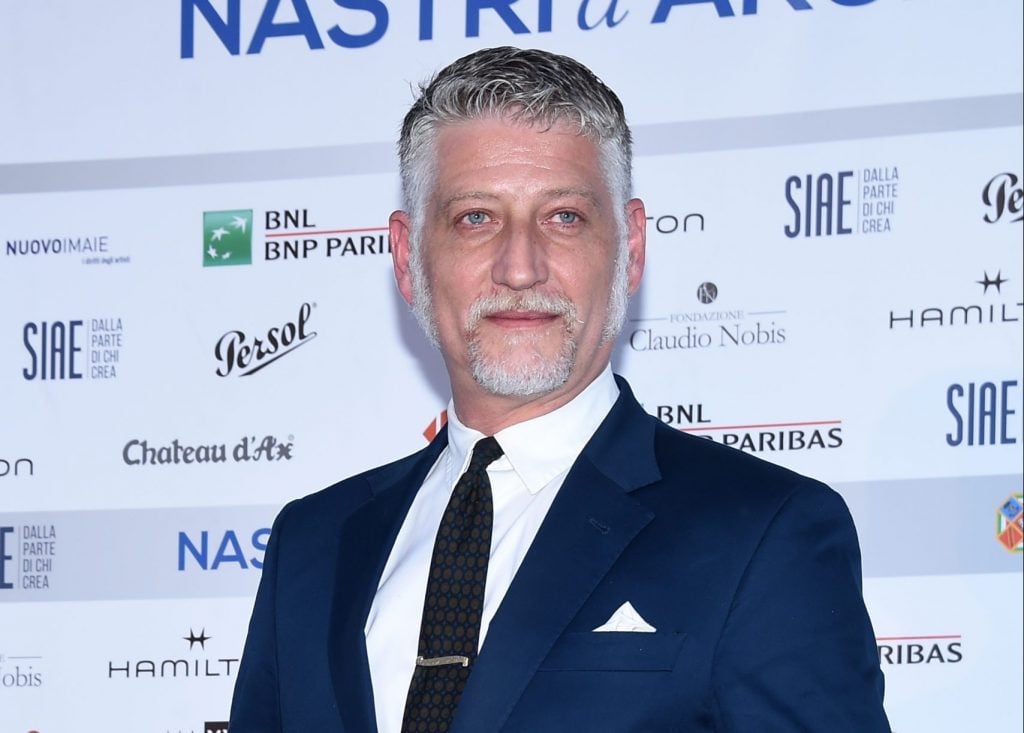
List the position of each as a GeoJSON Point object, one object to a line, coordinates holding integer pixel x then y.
{"type": "Point", "coordinates": [531, 300]}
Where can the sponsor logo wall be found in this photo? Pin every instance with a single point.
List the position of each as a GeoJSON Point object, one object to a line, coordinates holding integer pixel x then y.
{"type": "Point", "coordinates": [199, 322]}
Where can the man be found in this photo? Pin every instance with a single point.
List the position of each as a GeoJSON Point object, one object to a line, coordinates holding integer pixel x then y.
{"type": "Point", "coordinates": [592, 569]}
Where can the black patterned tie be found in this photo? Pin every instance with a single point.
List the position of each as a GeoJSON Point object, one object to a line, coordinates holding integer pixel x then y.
{"type": "Point", "coordinates": [454, 602]}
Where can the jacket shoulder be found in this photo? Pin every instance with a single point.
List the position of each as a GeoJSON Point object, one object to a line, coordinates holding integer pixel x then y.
{"type": "Point", "coordinates": [728, 474]}
{"type": "Point", "coordinates": [334, 503]}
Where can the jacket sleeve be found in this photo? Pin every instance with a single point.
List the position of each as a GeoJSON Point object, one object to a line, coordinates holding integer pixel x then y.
{"type": "Point", "coordinates": [797, 652]}
{"type": "Point", "coordinates": [255, 707]}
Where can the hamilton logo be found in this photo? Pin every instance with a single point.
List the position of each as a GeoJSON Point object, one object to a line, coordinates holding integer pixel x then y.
{"type": "Point", "coordinates": [996, 282]}
{"type": "Point", "coordinates": [192, 639]}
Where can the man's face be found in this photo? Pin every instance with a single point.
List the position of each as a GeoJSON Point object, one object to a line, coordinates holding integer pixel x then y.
{"type": "Point", "coordinates": [519, 242]}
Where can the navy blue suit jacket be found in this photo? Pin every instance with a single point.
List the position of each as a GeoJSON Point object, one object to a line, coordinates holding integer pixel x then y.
{"type": "Point", "coordinates": [750, 574]}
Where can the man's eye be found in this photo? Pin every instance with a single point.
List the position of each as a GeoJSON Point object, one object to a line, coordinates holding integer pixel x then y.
{"type": "Point", "coordinates": [567, 217]}
{"type": "Point", "coordinates": [475, 217]}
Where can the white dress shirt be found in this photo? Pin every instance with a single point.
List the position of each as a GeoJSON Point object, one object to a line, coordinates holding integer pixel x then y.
{"type": "Point", "coordinates": [524, 483]}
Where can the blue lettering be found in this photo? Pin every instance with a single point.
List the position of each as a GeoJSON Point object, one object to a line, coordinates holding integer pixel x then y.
{"type": "Point", "coordinates": [502, 7]}
{"type": "Point", "coordinates": [259, 541]}
{"type": "Point", "coordinates": [723, 8]}
{"type": "Point", "coordinates": [230, 539]}
{"type": "Point", "coordinates": [1005, 438]}
{"type": "Point", "coordinates": [608, 17]}
{"type": "Point", "coordinates": [380, 24]}
{"type": "Point", "coordinates": [426, 20]}
{"type": "Point", "coordinates": [302, 26]}
{"type": "Point", "coordinates": [750, 6]}
{"type": "Point", "coordinates": [227, 30]}
{"type": "Point", "coordinates": [955, 439]}
{"type": "Point", "coordinates": [200, 554]}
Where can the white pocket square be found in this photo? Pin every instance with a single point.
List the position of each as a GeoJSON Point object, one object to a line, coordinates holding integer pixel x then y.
{"type": "Point", "coordinates": [626, 618]}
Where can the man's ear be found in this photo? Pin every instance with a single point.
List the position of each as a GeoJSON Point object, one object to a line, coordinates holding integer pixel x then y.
{"type": "Point", "coordinates": [636, 238]}
{"type": "Point", "coordinates": [400, 231]}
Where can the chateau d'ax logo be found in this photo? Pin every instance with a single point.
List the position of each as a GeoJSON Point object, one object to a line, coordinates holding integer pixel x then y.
{"type": "Point", "coordinates": [249, 449]}
{"type": "Point", "coordinates": [708, 328]}
{"type": "Point", "coordinates": [287, 235]}
{"type": "Point", "coordinates": [241, 355]}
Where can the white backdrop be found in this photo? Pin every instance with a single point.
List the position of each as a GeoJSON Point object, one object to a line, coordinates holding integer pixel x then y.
{"type": "Point", "coordinates": [834, 283]}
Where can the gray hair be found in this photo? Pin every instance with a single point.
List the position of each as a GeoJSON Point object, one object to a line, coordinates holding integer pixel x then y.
{"type": "Point", "coordinates": [526, 86]}
{"type": "Point", "coordinates": [522, 85]}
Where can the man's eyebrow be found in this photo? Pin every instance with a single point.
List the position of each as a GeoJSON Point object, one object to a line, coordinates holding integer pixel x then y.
{"type": "Point", "coordinates": [466, 196]}
{"type": "Point", "coordinates": [586, 193]}
{"type": "Point", "coordinates": [551, 193]}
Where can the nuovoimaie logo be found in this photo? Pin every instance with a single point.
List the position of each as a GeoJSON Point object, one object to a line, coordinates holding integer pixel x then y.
{"type": "Point", "coordinates": [1010, 523]}
{"type": "Point", "coordinates": [227, 238]}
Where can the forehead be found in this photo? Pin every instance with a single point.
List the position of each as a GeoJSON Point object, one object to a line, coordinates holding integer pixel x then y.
{"type": "Point", "coordinates": [506, 156]}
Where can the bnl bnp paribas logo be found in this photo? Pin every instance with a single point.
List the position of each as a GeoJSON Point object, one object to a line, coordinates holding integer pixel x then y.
{"type": "Point", "coordinates": [288, 235]}
{"type": "Point", "coordinates": [227, 238]}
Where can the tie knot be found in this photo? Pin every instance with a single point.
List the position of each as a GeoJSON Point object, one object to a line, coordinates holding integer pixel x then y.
{"type": "Point", "coordinates": [485, 452]}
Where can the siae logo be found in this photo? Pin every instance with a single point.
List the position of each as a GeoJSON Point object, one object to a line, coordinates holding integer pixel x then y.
{"type": "Point", "coordinates": [227, 238]}
{"type": "Point", "coordinates": [826, 204]}
{"type": "Point", "coordinates": [1003, 194]}
{"type": "Point", "coordinates": [236, 352]}
{"type": "Point", "coordinates": [76, 349]}
{"type": "Point", "coordinates": [982, 413]}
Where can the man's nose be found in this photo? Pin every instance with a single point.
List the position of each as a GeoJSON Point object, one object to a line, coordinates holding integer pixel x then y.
{"type": "Point", "coordinates": [521, 260]}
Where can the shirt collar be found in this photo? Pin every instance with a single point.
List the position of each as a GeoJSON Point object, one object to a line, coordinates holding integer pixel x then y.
{"type": "Point", "coordinates": [540, 449]}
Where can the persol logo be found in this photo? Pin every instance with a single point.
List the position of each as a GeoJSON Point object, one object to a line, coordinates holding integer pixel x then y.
{"type": "Point", "coordinates": [239, 354]}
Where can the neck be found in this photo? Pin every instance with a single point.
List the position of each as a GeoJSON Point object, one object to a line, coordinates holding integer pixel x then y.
{"type": "Point", "coordinates": [490, 413]}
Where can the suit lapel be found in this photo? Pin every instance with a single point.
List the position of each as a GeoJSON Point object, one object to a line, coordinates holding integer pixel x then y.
{"type": "Point", "coordinates": [367, 537]}
{"type": "Point", "coordinates": [592, 520]}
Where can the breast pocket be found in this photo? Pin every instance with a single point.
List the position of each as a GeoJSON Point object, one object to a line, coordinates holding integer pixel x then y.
{"type": "Point", "coordinates": [615, 650]}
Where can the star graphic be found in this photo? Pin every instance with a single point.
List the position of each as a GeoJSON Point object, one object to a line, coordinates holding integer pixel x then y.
{"type": "Point", "coordinates": [238, 223]}
{"type": "Point", "coordinates": [218, 233]}
{"type": "Point", "coordinates": [226, 255]}
{"type": "Point", "coordinates": [212, 251]}
{"type": "Point", "coordinates": [997, 281]}
{"type": "Point", "coordinates": [192, 638]}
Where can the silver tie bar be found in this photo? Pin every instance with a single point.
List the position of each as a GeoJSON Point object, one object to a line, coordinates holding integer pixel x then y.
{"type": "Point", "coordinates": [441, 661]}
